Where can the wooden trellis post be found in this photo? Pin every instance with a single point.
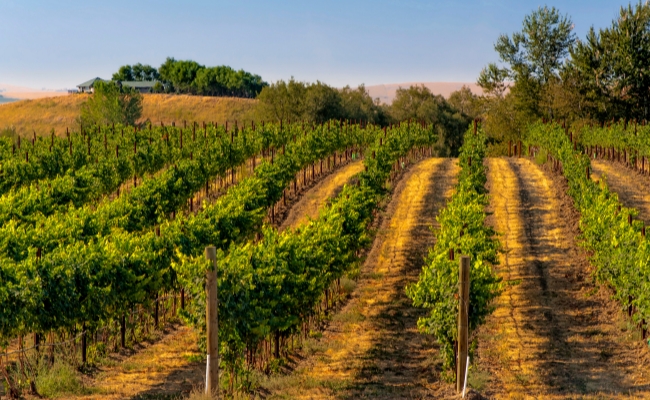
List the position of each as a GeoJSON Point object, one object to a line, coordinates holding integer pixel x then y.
{"type": "Point", "coordinates": [463, 322]}
{"type": "Point", "coordinates": [212, 324]}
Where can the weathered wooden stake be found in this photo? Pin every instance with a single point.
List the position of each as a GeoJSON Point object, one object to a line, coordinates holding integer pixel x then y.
{"type": "Point", "coordinates": [156, 313]}
{"type": "Point", "coordinates": [123, 331]}
{"type": "Point", "coordinates": [84, 345]}
{"type": "Point", "coordinates": [463, 321]}
{"type": "Point", "coordinates": [212, 324]}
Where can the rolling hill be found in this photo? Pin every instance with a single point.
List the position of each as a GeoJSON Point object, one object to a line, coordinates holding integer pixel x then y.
{"type": "Point", "coordinates": [59, 113]}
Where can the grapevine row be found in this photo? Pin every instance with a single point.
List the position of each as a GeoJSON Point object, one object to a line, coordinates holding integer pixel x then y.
{"type": "Point", "coordinates": [49, 157]}
{"type": "Point", "coordinates": [630, 140]}
{"type": "Point", "coordinates": [142, 207]}
{"type": "Point", "coordinates": [104, 176]}
{"type": "Point", "coordinates": [101, 277]}
{"type": "Point", "coordinates": [269, 288]}
{"type": "Point", "coordinates": [462, 231]}
{"type": "Point", "coordinates": [619, 250]}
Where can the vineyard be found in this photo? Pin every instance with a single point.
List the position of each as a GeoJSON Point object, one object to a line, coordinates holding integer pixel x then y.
{"type": "Point", "coordinates": [338, 253]}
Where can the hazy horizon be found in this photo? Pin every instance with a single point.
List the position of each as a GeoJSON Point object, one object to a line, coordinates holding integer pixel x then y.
{"type": "Point", "coordinates": [59, 45]}
{"type": "Point", "coordinates": [384, 92]}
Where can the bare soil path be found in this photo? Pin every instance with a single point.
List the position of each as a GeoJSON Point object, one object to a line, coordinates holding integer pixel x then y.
{"type": "Point", "coordinates": [372, 348]}
{"type": "Point", "coordinates": [318, 196]}
{"type": "Point", "coordinates": [162, 370]}
{"type": "Point", "coordinates": [633, 189]}
{"type": "Point", "coordinates": [170, 366]}
{"type": "Point", "coordinates": [553, 334]}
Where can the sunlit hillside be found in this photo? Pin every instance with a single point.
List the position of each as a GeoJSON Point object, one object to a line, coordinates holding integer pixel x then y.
{"type": "Point", "coordinates": [59, 113]}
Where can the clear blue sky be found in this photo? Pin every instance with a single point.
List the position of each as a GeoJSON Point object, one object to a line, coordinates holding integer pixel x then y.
{"type": "Point", "coordinates": [58, 44]}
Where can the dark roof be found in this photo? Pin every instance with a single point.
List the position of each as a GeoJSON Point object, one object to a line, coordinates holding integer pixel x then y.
{"type": "Point", "coordinates": [89, 83]}
{"type": "Point", "coordinates": [139, 84]}
{"type": "Point", "coordinates": [133, 84]}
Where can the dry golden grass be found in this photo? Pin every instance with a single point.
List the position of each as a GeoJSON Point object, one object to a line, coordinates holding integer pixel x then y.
{"type": "Point", "coordinates": [553, 334]}
{"type": "Point", "coordinates": [631, 190]}
{"type": "Point", "coordinates": [59, 113]}
{"type": "Point", "coordinates": [317, 197]}
{"type": "Point", "coordinates": [168, 108]}
{"type": "Point", "coordinates": [372, 348]}
{"type": "Point", "coordinates": [167, 369]}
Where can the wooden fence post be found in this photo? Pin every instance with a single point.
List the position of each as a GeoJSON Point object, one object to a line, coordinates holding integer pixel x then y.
{"type": "Point", "coordinates": [463, 322]}
{"type": "Point", "coordinates": [212, 324]}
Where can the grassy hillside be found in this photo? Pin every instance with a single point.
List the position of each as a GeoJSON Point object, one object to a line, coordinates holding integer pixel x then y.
{"type": "Point", "coordinates": [43, 115]}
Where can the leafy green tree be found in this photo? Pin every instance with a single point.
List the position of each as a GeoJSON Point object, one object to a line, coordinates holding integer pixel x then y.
{"type": "Point", "coordinates": [282, 101]}
{"type": "Point", "coordinates": [539, 50]}
{"type": "Point", "coordinates": [525, 88]}
{"type": "Point", "coordinates": [418, 103]}
{"type": "Point", "coordinates": [137, 72]}
{"type": "Point", "coordinates": [466, 102]}
{"type": "Point", "coordinates": [225, 81]}
{"type": "Point", "coordinates": [125, 73]}
{"type": "Point", "coordinates": [567, 100]}
{"type": "Point", "coordinates": [613, 66]}
{"type": "Point", "coordinates": [158, 88]}
{"type": "Point", "coordinates": [503, 122]}
{"type": "Point", "coordinates": [145, 73]}
{"type": "Point", "coordinates": [492, 80]}
{"type": "Point", "coordinates": [322, 103]}
{"type": "Point", "coordinates": [111, 103]}
{"type": "Point", "coordinates": [587, 78]}
{"type": "Point", "coordinates": [186, 76]}
{"type": "Point", "coordinates": [358, 105]}
{"type": "Point", "coordinates": [318, 102]}
{"type": "Point", "coordinates": [181, 74]}
{"type": "Point", "coordinates": [534, 57]}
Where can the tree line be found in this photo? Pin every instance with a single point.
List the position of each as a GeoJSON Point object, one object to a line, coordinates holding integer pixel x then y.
{"type": "Point", "coordinates": [190, 77]}
{"type": "Point", "coordinates": [318, 102]}
{"type": "Point", "coordinates": [546, 71]}
{"type": "Point", "coordinates": [311, 102]}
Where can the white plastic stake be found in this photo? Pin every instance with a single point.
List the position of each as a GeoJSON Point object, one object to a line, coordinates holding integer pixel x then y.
{"type": "Point", "coordinates": [466, 370]}
{"type": "Point", "coordinates": [207, 372]}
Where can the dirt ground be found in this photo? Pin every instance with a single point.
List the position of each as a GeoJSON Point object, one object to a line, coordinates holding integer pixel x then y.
{"type": "Point", "coordinates": [553, 333]}
{"type": "Point", "coordinates": [165, 368]}
{"type": "Point", "coordinates": [372, 348]}
{"type": "Point", "coordinates": [317, 197]}
{"type": "Point", "coordinates": [632, 188]}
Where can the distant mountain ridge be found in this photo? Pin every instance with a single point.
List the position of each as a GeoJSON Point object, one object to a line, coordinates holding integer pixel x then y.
{"type": "Point", "coordinates": [386, 93]}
